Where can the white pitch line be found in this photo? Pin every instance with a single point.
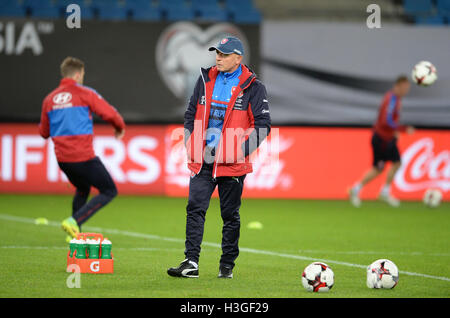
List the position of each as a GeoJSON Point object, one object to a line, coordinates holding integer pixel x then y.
{"type": "Point", "coordinates": [243, 249]}
{"type": "Point", "coordinates": [373, 252]}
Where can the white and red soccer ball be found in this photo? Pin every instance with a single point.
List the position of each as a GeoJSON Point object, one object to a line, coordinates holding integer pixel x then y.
{"type": "Point", "coordinates": [424, 73]}
{"type": "Point", "coordinates": [318, 277]}
{"type": "Point", "coordinates": [382, 273]}
{"type": "Point", "coordinates": [432, 198]}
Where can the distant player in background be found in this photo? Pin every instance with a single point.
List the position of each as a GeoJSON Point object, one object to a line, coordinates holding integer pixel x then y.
{"type": "Point", "coordinates": [384, 143]}
{"type": "Point", "coordinates": [67, 118]}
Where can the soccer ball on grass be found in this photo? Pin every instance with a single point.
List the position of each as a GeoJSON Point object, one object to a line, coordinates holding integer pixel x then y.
{"type": "Point", "coordinates": [318, 277]}
{"type": "Point", "coordinates": [432, 198]}
{"type": "Point", "coordinates": [382, 273]}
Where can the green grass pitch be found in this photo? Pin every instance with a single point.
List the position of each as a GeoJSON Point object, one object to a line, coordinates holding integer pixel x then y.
{"type": "Point", "coordinates": [148, 237]}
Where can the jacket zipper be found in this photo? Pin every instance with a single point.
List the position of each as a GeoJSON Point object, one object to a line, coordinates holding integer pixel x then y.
{"type": "Point", "coordinates": [204, 118]}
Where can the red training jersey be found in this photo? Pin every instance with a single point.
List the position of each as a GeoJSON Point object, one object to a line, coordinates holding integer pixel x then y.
{"type": "Point", "coordinates": [388, 117]}
{"type": "Point", "coordinates": [67, 118]}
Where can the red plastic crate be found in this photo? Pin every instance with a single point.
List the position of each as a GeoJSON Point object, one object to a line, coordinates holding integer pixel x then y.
{"type": "Point", "coordinates": [90, 265]}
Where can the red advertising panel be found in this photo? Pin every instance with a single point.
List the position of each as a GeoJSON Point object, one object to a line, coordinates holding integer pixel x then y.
{"type": "Point", "coordinates": [322, 163]}
{"type": "Point", "coordinates": [294, 162]}
{"type": "Point", "coordinates": [28, 163]}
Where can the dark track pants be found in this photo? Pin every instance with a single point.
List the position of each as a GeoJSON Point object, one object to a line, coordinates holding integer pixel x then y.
{"type": "Point", "coordinates": [201, 188]}
{"type": "Point", "coordinates": [83, 175]}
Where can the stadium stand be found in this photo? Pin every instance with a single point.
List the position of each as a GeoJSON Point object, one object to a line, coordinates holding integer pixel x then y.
{"type": "Point", "coordinates": [209, 10]}
{"type": "Point", "coordinates": [431, 12]}
{"type": "Point", "coordinates": [239, 11]}
{"type": "Point", "coordinates": [443, 6]}
{"type": "Point", "coordinates": [42, 8]}
{"type": "Point", "coordinates": [428, 12]}
{"type": "Point", "coordinates": [11, 8]}
{"type": "Point", "coordinates": [85, 8]}
{"type": "Point", "coordinates": [110, 10]}
{"type": "Point", "coordinates": [414, 7]}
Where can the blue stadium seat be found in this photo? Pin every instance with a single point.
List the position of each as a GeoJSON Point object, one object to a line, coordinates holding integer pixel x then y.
{"type": "Point", "coordinates": [143, 10]}
{"type": "Point", "coordinates": [418, 7]}
{"type": "Point", "coordinates": [234, 5]}
{"type": "Point", "coordinates": [42, 8]}
{"type": "Point", "coordinates": [180, 13]}
{"type": "Point", "coordinates": [138, 4]}
{"type": "Point", "coordinates": [109, 9]}
{"type": "Point", "coordinates": [112, 13]}
{"type": "Point", "coordinates": [249, 16]}
{"type": "Point", "coordinates": [148, 14]}
{"type": "Point", "coordinates": [443, 6]}
{"type": "Point", "coordinates": [243, 11]}
{"type": "Point", "coordinates": [46, 12]}
{"type": "Point", "coordinates": [105, 3]}
{"type": "Point", "coordinates": [436, 20]}
{"type": "Point", "coordinates": [39, 3]}
{"type": "Point", "coordinates": [198, 4]}
{"type": "Point", "coordinates": [81, 3]}
{"type": "Point", "coordinates": [97, 4]}
{"type": "Point", "coordinates": [210, 13]}
{"type": "Point", "coordinates": [11, 8]}
{"type": "Point", "coordinates": [172, 4]}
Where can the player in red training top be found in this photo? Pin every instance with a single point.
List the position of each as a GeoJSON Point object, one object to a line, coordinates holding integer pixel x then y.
{"type": "Point", "coordinates": [384, 142]}
{"type": "Point", "coordinates": [67, 118]}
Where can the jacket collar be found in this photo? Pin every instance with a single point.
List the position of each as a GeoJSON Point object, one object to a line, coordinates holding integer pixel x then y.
{"type": "Point", "coordinates": [67, 81]}
{"type": "Point", "coordinates": [246, 77]}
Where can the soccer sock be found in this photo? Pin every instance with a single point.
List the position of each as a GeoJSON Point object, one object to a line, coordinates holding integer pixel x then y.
{"type": "Point", "coordinates": [90, 208]}
{"type": "Point", "coordinates": [357, 187]}
{"type": "Point", "coordinates": [386, 189]}
{"type": "Point", "coordinates": [79, 200]}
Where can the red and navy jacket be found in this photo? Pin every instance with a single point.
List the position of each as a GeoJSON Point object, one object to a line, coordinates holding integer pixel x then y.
{"type": "Point", "coordinates": [245, 125]}
{"type": "Point", "coordinates": [67, 118]}
{"type": "Point", "coordinates": [388, 117]}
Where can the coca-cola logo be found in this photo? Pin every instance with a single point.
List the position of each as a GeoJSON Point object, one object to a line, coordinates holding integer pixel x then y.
{"type": "Point", "coordinates": [423, 168]}
{"type": "Point", "coordinates": [269, 170]}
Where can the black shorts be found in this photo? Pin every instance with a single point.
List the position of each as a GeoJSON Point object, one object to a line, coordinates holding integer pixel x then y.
{"type": "Point", "coordinates": [384, 151]}
{"type": "Point", "coordinates": [89, 173]}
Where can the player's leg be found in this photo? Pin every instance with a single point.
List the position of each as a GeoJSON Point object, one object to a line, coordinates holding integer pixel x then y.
{"type": "Point", "coordinates": [376, 169]}
{"type": "Point", "coordinates": [80, 198]}
{"type": "Point", "coordinates": [393, 155]}
{"type": "Point", "coordinates": [392, 171]}
{"type": "Point", "coordinates": [230, 192]}
{"type": "Point", "coordinates": [95, 173]}
{"type": "Point", "coordinates": [82, 189]}
{"type": "Point", "coordinates": [201, 187]}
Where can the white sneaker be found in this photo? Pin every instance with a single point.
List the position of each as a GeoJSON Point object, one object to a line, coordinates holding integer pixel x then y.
{"type": "Point", "coordinates": [390, 200]}
{"type": "Point", "coordinates": [354, 198]}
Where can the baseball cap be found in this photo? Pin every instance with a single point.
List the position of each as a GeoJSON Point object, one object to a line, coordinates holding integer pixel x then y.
{"type": "Point", "coordinates": [228, 45]}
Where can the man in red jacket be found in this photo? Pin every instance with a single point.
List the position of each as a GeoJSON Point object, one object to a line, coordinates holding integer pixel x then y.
{"type": "Point", "coordinates": [226, 120]}
{"type": "Point", "coordinates": [384, 143]}
{"type": "Point", "coordinates": [67, 118]}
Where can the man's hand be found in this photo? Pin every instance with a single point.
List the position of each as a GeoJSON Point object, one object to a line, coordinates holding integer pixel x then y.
{"type": "Point", "coordinates": [410, 130]}
{"type": "Point", "coordinates": [119, 133]}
